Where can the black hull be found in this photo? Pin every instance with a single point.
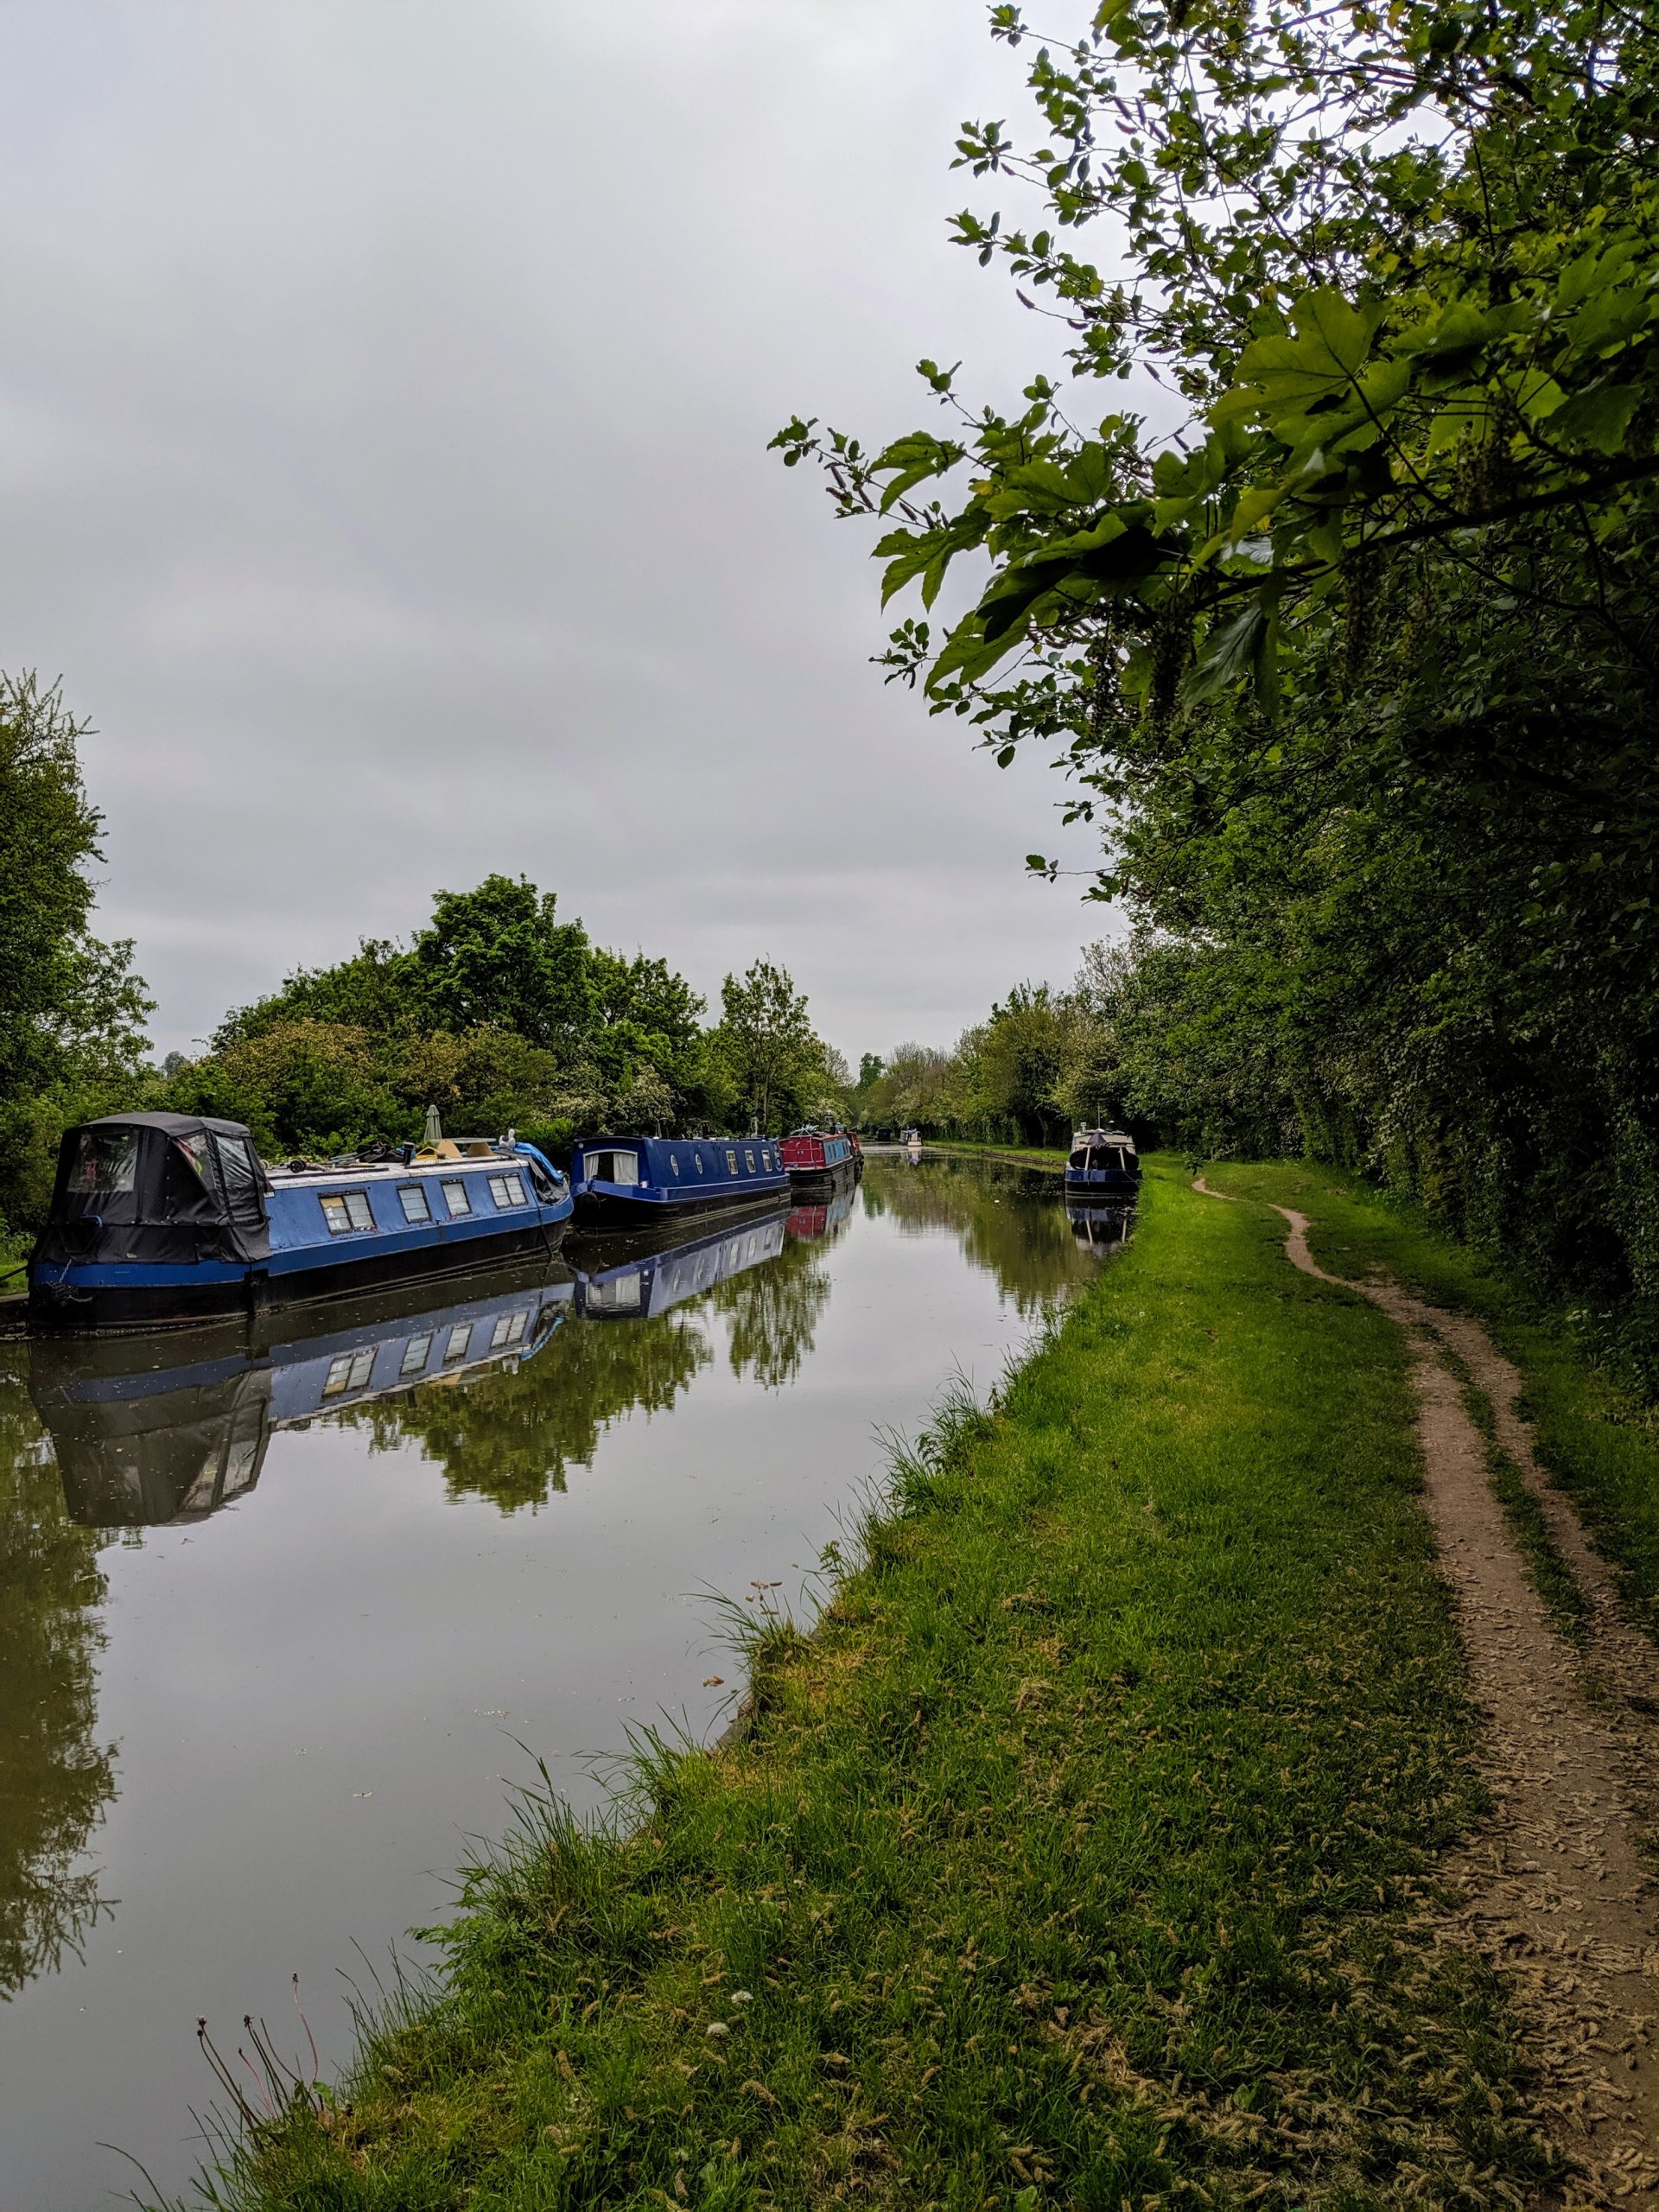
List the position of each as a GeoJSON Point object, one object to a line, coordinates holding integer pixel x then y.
{"type": "Point", "coordinates": [177, 1306]}
{"type": "Point", "coordinates": [605, 1212]}
{"type": "Point", "coordinates": [802, 1179]}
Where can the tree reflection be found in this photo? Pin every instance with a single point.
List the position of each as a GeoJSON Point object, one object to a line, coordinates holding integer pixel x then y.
{"type": "Point", "coordinates": [510, 1435]}
{"type": "Point", "coordinates": [55, 1779]}
{"type": "Point", "coordinates": [772, 1312]}
{"type": "Point", "coordinates": [1011, 1222]}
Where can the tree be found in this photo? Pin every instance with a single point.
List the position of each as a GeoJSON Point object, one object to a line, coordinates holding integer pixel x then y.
{"type": "Point", "coordinates": [71, 1011]}
{"type": "Point", "coordinates": [497, 957]}
{"type": "Point", "coordinates": [768, 1045]}
{"type": "Point", "coordinates": [1355, 669]}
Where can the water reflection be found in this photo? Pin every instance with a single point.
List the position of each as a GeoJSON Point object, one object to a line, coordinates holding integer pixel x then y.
{"type": "Point", "coordinates": [1101, 1229]}
{"type": "Point", "coordinates": [162, 1425]}
{"type": "Point", "coordinates": [56, 1778]}
{"type": "Point", "coordinates": [1011, 1221]}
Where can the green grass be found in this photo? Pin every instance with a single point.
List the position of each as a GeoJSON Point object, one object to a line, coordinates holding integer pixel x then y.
{"type": "Point", "coordinates": [1595, 1436]}
{"type": "Point", "coordinates": [1044, 1155]}
{"type": "Point", "coordinates": [1080, 1858]}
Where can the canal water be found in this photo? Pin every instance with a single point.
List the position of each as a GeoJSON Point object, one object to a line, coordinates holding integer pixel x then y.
{"type": "Point", "coordinates": [279, 1630]}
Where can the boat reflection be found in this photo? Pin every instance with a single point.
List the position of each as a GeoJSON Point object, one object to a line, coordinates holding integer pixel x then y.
{"type": "Point", "coordinates": [164, 1427]}
{"type": "Point", "coordinates": [1101, 1228]}
{"type": "Point", "coordinates": [811, 1223]}
{"type": "Point", "coordinates": [634, 1279]}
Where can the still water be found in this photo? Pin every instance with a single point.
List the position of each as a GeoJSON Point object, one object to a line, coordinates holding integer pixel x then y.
{"type": "Point", "coordinates": [277, 1616]}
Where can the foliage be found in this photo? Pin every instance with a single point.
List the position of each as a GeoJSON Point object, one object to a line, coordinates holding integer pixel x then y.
{"type": "Point", "coordinates": [71, 1012]}
{"type": "Point", "coordinates": [777, 1067]}
{"type": "Point", "coordinates": [1355, 670]}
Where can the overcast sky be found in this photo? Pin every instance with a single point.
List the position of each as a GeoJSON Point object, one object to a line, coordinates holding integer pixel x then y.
{"type": "Point", "coordinates": [385, 396]}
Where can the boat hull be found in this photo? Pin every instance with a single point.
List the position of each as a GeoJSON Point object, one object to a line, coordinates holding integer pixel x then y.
{"type": "Point", "coordinates": [624, 1209]}
{"type": "Point", "coordinates": [1101, 1183]}
{"type": "Point", "coordinates": [114, 1295]}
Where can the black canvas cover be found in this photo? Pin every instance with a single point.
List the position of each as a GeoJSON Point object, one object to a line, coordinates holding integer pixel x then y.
{"type": "Point", "coordinates": [157, 1188]}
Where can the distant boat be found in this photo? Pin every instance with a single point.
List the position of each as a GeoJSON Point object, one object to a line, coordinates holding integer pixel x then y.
{"type": "Point", "coordinates": [812, 1153]}
{"type": "Point", "coordinates": [626, 1283]}
{"type": "Point", "coordinates": [1102, 1161]}
{"type": "Point", "coordinates": [626, 1181]}
{"type": "Point", "coordinates": [158, 1218]}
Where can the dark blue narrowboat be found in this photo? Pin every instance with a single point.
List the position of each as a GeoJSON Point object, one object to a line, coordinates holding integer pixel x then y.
{"type": "Point", "coordinates": [153, 1427]}
{"type": "Point", "coordinates": [627, 1181]}
{"type": "Point", "coordinates": [163, 1218]}
{"type": "Point", "coordinates": [1102, 1163]}
{"type": "Point", "coordinates": [618, 1282]}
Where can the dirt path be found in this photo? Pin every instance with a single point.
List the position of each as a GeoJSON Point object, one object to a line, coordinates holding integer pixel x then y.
{"type": "Point", "coordinates": [1554, 1886]}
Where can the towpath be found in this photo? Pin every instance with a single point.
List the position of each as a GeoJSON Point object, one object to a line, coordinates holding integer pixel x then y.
{"type": "Point", "coordinates": [1556, 1889]}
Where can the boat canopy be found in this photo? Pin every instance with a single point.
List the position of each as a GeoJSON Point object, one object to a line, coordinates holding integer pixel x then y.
{"type": "Point", "coordinates": [157, 1187]}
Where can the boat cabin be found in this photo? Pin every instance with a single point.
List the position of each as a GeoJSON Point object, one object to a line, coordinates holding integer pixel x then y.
{"type": "Point", "coordinates": [1103, 1159]}
{"type": "Point", "coordinates": [620, 1179]}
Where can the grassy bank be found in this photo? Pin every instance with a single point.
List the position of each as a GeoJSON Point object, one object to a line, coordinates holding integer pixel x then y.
{"type": "Point", "coordinates": [1598, 1441]}
{"type": "Point", "coordinates": [1076, 1860]}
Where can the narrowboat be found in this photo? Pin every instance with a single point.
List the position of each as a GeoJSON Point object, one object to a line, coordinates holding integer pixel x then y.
{"type": "Point", "coordinates": [626, 1182]}
{"type": "Point", "coordinates": [158, 1218]}
{"type": "Point", "coordinates": [812, 1154]}
{"type": "Point", "coordinates": [149, 1428]}
{"type": "Point", "coordinates": [1103, 1162]}
{"type": "Point", "coordinates": [620, 1281]}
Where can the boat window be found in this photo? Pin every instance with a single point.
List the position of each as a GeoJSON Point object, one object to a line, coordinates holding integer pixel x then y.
{"type": "Point", "coordinates": [346, 1210]}
{"type": "Point", "coordinates": [748, 1162]}
{"type": "Point", "coordinates": [614, 1167]}
{"type": "Point", "coordinates": [349, 1372]}
{"type": "Point", "coordinates": [697, 1156]}
{"type": "Point", "coordinates": [674, 1161]}
{"type": "Point", "coordinates": [1079, 1159]}
{"type": "Point", "coordinates": [509, 1330]}
{"type": "Point", "coordinates": [731, 1163]}
{"type": "Point", "coordinates": [106, 1160]}
{"type": "Point", "coordinates": [416, 1353]}
{"type": "Point", "coordinates": [459, 1337]}
{"type": "Point", "coordinates": [413, 1199]}
{"type": "Point", "coordinates": [456, 1198]}
{"type": "Point", "coordinates": [508, 1190]}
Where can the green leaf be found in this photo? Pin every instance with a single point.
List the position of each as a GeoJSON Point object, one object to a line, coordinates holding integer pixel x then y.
{"type": "Point", "coordinates": [1599, 418]}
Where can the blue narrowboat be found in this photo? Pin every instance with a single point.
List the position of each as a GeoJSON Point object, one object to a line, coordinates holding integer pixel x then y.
{"type": "Point", "coordinates": [155, 1427]}
{"type": "Point", "coordinates": [163, 1218]}
{"type": "Point", "coordinates": [1102, 1162]}
{"type": "Point", "coordinates": [634, 1285]}
{"type": "Point", "coordinates": [627, 1181]}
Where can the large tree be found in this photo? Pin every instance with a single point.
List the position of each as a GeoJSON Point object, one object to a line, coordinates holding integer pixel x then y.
{"type": "Point", "coordinates": [1354, 662]}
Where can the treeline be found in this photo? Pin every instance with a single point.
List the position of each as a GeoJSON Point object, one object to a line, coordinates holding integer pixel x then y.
{"type": "Point", "coordinates": [1131, 1041]}
{"type": "Point", "coordinates": [1358, 672]}
{"type": "Point", "coordinates": [496, 1012]}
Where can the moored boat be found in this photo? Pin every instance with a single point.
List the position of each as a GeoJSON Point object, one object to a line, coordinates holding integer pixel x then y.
{"type": "Point", "coordinates": [1101, 1161]}
{"type": "Point", "coordinates": [163, 1218]}
{"type": "Point", "coordinates": [812, 1153]}
{"type": "Point", "coordinates": [627, 1181]}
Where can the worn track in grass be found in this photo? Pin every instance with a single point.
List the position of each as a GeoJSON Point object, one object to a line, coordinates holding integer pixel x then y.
{"type": "Point", "coordinates": [1555, 1888]}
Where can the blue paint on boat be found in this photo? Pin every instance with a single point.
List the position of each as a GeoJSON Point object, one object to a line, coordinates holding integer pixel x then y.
{"type": "Point", "coordinates": [623, 1180]}
{"type": "Point", "coordinates": [164, 1217]}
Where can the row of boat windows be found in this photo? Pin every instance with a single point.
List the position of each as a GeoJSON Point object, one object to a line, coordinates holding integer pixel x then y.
{"type": "Point", "coordinates": [348, 1213]}
{"type": "Point", "coordinates": [624, 1166]}
{"type": "Point", "coordinates": [352, 1369]}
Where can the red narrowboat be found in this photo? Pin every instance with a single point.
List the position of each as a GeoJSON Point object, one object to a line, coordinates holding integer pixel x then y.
{"type": "Point", "coordinates": [811, 1154]}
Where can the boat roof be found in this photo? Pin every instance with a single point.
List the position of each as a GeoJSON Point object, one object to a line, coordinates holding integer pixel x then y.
{"type": "Point", "coordinates": [1102, 1137]}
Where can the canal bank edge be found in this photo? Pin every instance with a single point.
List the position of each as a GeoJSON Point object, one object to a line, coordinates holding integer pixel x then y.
{"type": "Point", "coordinates": [1091, 1850]}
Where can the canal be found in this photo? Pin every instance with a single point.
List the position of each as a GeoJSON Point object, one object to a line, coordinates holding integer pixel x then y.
{"type": "Point", "coordinates": [279, 1632]}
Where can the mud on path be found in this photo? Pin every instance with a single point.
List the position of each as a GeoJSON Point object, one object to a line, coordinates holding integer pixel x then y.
{"type": "Point", "coordinates": [1554, 1889]}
